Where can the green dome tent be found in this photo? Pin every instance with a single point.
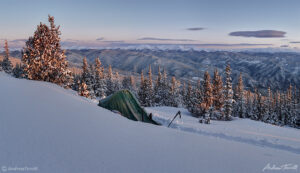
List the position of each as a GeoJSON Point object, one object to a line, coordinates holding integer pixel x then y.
{"type": "Point", "coordinates": [126, 103]}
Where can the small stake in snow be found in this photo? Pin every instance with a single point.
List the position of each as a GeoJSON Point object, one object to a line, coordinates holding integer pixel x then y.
{"type": "Point", "coordinates": [178, 113]}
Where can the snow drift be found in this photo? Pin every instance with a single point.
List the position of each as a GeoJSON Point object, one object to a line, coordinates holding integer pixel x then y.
{"type": "Point", "coordinates": [45, 126]}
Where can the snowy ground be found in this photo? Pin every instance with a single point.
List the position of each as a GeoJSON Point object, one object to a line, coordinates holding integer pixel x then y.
{"type": "Point", "coordinates": [240, 130]}
{"type": "Point", "coordinates": [45, 128]}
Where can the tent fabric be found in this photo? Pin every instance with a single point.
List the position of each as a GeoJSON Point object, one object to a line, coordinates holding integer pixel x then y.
{"type": "Point", "coordinates": [126, 103]}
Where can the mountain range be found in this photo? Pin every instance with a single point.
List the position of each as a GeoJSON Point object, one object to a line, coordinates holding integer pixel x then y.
{"type": "Point", "coordinates": [277, 70]}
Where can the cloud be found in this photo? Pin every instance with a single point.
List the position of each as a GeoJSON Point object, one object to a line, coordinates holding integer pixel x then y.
{"type": "Point", "coordinates": [284, 46]}
{"type": "Point", "coordinates": [18, 40]}
{"type": "Point", "coordinates": [259, 34]}
{"type": "Point", "coordinates": [100, 39]}
{"type": "Point", "coordinates": [295, 42]}
{"type": "Point", "coordinates": [195, 29]}
{"type": "Point", "coordinates": [235, 45]}
{"type": "Point", "coordinates": [163, 39]}
{"type": "Point", "coordinates": [113, 41]}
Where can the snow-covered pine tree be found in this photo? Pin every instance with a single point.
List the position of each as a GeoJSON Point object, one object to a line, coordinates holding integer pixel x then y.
{"type": "Point", "coordinates": [18, 71]}
{"type": "Point", "coordinates": [109, 81]}
{"type": "Point", "coordinates": [183, 93]}
{"type": "Point", "coordinates": [145, 92]}
{"type": "Point", "coordinates": [43, 57]}
{"type": "Point", "coordinates": [149, 89]}
{"type": "Point", "coordinates": [289, 107]}
{"type": "Point", "coordinates": [269, 114]}
{"type": "Point", "coordinates": [141, 91]}
{"type": "Point", "coordinates": [239, 98]}
{"type": "Point", "coordinates": [83, 90]}
{"type": "Point", "coordinates": [87, 78]}
{"type": "Point", "coordinates": [100, 84]}
{"type": "Point", "coordinates": [126, 82]}
{"type": "Point", "coordinates": [228, 94]}
{"type": "Point", "coordinates": [6, 63]}
{"type": "Point", "coordinates": [258, 106]}
{"type": "Point", "coordinates": [166, 89]}
{"type": "Point", "coordinates": [76, 82]}
{"type": "Point", "coordinates": [188, 96]}
{"type": "Point", "coordinates": [218, 95]}
{"type": "Point", "coordinates": [198, 91]}
{"type": "Point", "coordinates": [175, 96]}
{"type": "Point", "coordinates": [133, 85]}
{"type": "Point", "coordinates": [158, 89]}
{"type": "Point", "coordinates": [278, 108]}
{"type": "Point", "coordinates": [207, 102]}
{"type": "Point", "coordinates": [249, 107]}
{"type": "Point", "coordinates": [117, 82]}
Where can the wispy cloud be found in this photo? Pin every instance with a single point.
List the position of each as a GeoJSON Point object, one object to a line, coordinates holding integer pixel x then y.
{"type": "Point", "coordinates": [113, 41]}
{"type": "Point", "coordinates": [295, 42]}
{"type": "Point", "coordinates": [195, 29]}
{"type": "Point", "coordinates": [18, 40]}
{"type": "Point", "coordinates": [100, 39]}
{"type": "Point", "coordinates": [259, 34]}
{"type": "Point", "coordinates": [284, 45]}
{"type": "Point", "coordinates": [163, 39]}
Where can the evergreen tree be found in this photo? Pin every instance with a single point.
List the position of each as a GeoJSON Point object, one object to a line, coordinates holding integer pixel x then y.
{"type": "Point", "coordinates": [145, 91]}
{"type": "Point", "coordinates": [269, 115]}
{"type": "Point", "coordinates": [149, 89]}
{"type": "Point", "coordinates": [218, 97]}
{"type": "Point", "coordinates": [249, 106]}
{"type": "Point", "coordinates": [239, 98]}
{"type": "Point", "coordinates": [100, 84]}
{"type": "Point", "coordinates": [162, 90]}
{"type": "Point", "coordinates": [142, 92]}
{"type": "Point", "coordinates": [83, 90]}
{"type": "Point", "coordinates": [129, 84]}
{"type": "Point", "coordinates": [110, 81]}
{"type": "Point", "coordinates": [207, 97]}
{"type": "Point", "coordinates": [6, 63]}
{"type": "Point", "coordinates": [228, 95]}
{"type": "Point", "coordinates": [18, 71]}
{"type": "Point", "coordinates": [87, 78]}
{"type": "Point", "coordinates": [43, 57]}
{"type": "Point", "coordinates": [158, 89]}
{"type": "Point", "coordinates": [190, 101]}
{"type": "Point", "coordinates": [117, 82]}
{"type": "Point", "coordinates": [175, 96]}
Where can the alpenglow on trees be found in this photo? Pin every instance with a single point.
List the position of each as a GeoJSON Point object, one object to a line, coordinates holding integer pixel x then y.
{"type": "Point", "coordinates": [43, 57]}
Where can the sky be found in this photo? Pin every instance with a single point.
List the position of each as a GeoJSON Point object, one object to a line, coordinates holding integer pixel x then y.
{"type": "Point", "coordinates": [204, 23]}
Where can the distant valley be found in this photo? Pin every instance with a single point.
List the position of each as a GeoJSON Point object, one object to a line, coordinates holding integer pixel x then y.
{"type": "Point", "coordinates": [277, 70]}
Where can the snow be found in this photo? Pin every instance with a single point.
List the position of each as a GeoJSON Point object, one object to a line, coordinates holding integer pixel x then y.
{"type": "Point", "coordinates": [45, 126]}
{"type": "Point", "coordinates": [240, 130]}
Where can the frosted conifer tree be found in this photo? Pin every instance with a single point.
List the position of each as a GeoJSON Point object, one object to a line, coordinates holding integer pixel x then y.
{"type": "Point", "coordinates": [83, 90]}
{"type": "Point", "coordinates": [249, 107]}
{"type": "Point", "coordinates": [149, 89]}
{"type": "Point", "coordinates": [129, 84]}
{"type": "Point", "coordinates": [109, 81]}
{"type": "Point", "coordinates": [6, 63]}
{"type": "Point", "coordinates": [175, 96]}
{"type": "Point", "coordinates": [207, 96]}
{"type": "Point", "coordinates": [87, 78]}
{"type": "Point", "coordinates": [117, 82]}
{"type": "Point", "coordinates": [142, 92]}
{"type": "Point", "coordinates": [158, 89]}
{"type": "Point", "coordinates": [218, 96]}
{"type": "Point", "coordinates": [100, 84]}
{"type": "Point", "coordinates": [43, 57]}
{"type": "Point", "coordinates": [239, 98]}
{"type": "Point", "coordinates": [18, 71]}
{"type": "Point", "coordinates": [228, 94]}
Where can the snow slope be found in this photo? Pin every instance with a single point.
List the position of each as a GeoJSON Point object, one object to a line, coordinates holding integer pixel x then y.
{"type": "Point", "coordinates": [240, 130]}
{"type": "Point", "coordinates": [48, 127]}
